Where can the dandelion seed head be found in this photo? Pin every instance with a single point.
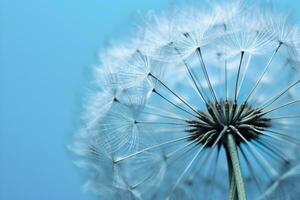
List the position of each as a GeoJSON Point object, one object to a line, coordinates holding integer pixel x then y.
{"type": "Point", "coordinates": [168, 104]}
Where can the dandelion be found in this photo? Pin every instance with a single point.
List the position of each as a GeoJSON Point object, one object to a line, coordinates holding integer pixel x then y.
{"type": "Point", "coordinates": [202, 104]}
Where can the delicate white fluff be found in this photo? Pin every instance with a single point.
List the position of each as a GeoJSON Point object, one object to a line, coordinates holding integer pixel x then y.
{"type": "Point", "coordinates": [134, 141]}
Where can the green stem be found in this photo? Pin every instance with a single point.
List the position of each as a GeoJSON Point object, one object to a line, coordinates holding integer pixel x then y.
{"type": "Point", "coordinates": [232, 189]}
{"type": "Point", "coordinates": [232, 185]}
{"type": "Point", "coordinates": [236, 168]}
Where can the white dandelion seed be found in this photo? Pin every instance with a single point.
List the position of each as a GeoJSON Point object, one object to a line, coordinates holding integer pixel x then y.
{"type": "Point", "coordinates": [203, 104]}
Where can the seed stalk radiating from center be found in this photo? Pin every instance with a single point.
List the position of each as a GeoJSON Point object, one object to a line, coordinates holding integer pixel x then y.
{"type": "Point", "coordinates": [242, 121]}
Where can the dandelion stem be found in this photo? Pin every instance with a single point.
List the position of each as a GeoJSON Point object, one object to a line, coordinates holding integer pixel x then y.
{"type": "Point", "coordinates": [232, 189]}
{"type": "Point", "coordinates": [236, 168]}
{"type": "Point", "coordinates": [232, 185]}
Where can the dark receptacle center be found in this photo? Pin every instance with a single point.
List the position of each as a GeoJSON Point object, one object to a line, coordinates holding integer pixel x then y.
{"type": "Point", "coordinates": [222, 118]}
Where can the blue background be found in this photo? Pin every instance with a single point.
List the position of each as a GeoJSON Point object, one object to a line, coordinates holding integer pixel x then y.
{"type": "Point", "coordinates": [47, 49]}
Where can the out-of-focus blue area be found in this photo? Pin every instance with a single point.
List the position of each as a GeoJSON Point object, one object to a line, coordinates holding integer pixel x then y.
{"type": "Point", "coordinates": [47, 49]}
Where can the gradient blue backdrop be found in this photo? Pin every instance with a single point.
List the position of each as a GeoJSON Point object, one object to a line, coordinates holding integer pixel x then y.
{"type": "Point", "coordinates": [47, 49]}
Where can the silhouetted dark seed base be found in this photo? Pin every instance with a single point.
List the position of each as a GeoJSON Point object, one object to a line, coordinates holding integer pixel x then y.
{"type": "Point", "coordinates": [248, 121]}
